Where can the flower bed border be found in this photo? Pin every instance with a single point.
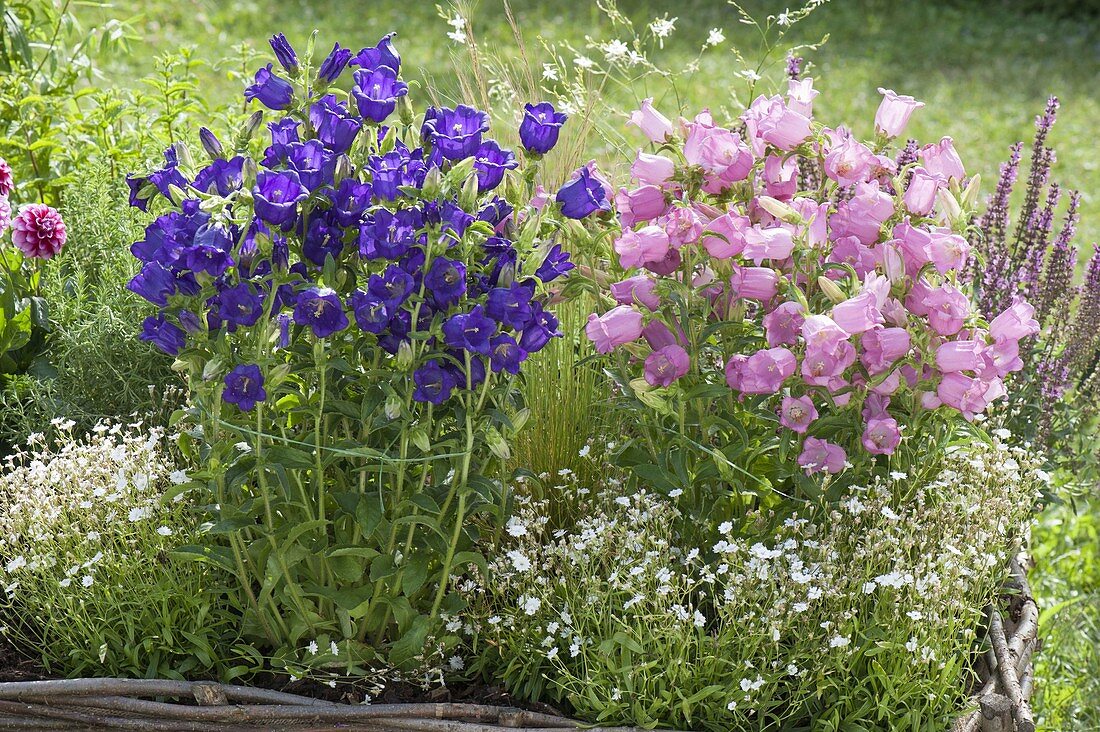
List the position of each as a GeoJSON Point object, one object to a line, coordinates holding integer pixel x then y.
{"type": "Point", "coordinates": [1001, 700]}
{"type": "Point", "coordinates": [1006, 672]}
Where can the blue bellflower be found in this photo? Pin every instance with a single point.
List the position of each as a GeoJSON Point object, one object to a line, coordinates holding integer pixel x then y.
{"type": "Point", "coordinates": [392, 286]}
{"type": "Point", "coordinates": [284, 52]}
{"type": "Point", "coordinates": [540, 330]}
{"type": "Point", "coordinates": [490, 162]}
{"type": "Point", "coordinates": [376, 92]}
{"type": "Point", "coordinates": [446, 281]}
{"type": "Point", "coordinates": [455, 133]}
{"type": "Point", "coordinates": [223, 176]}
{"type": "Point", "coordinates": [276, 197]}
{"type": "Point", "coordinates": [349, 201]}
{"type": "Point", "coordinates": [506, 354]}
{"type": "Point", "coordinates": [336, 128]}
{"type": "Point", "coordinates": [511, 306]}
{"type": "Point", "coordinates": [582, 196]}
{"type": "Point", "coordinates": [320, 308]}
{"type": "Point", "coordinates": [555, 265]}
{"type": "Point", "coordinates": [541, 125]}
{"type": "Point", "coordinates": [372, 314]}
{"type": "Point", "coordinates": [384, 54]}
{"type": "Point", "coordinates": [270, 90]}
{"type": "Point", "coordinates": [469, 331]}
{"type": "Point", "coordinates": [434, 384]}
{"type": "Point", "coordinates": [164, 335]}
{"type": "Point", "coordinates": [334, 64]}
{"type": "Point", "coordinates": [244, 386]}
{"type": "Point", "coordinates": [240, 305]}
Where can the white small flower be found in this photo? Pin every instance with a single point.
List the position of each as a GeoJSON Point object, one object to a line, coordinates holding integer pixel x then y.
{"type": "Point", "coordinates": [243, 447]}
{"type": "Point", "coordinates": [698, 619]}
{"type": "Point", "coordinates": [716, 37]}
{"type": "Point", "coordinates": [456, 663]}
{"type": "Point", "coordinates": [749, 74]}
{"type": "Point", "coordinates": [164, 531]}
{"type": "Point", "coordinates": [16, 564]}
{"type": "Point", "coordinates": [178, 477]}
{"type": "Point", "coordinates": [731, 706]}
{"type": "Point", "coordinates": [784, 18]}
{"type": "Point", "coordinates": [584, 62]}
{"type": "Point", "coordinates": [911, 645]}
{"type": "Point", "coordinates": [615, 50]}
{"type": "Point", "coordinates": [333, 648]}
{"type": "Point", "coordinates": [869, 587]}
{"type": "Point", "coordinates": [332, 683]}
{"type": "Point", "coordinates": [839, 641]}
{"type": "Point", "coordinates": [549, 72]}
{"type": "Point", "coordinates": [312, 648]}
{"type": "Point", "coordinates": [530, 605]}
{"type": "Point", "coordinates": [87, 580]}
{"type": "Point", "coordinates": [515, 527]}
{"type": "Point", "coordinates": [584, 451]}
{"type": "Point", "coordinates": [520, 562]}
{"type": "Point", "coordinates": [663, 27]}
{"type": "Point", "coordinates": [137, 514]}
{"type": "Point", "coordinates": [675, 493]}
{"type": "Point", "coordinates": [66, 582]}
{"type": "Point", "coordinates": [792, 670]}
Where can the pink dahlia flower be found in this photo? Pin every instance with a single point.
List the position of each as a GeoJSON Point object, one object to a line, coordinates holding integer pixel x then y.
{"type": "Point", "coordinates": [38, 231]}
{"type": "Point", "coordinates": [5, 214]}
{"type": "Point", "coordinates": [6, 180]}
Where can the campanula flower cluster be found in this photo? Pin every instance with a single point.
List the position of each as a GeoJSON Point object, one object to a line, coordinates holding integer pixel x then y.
{"type": "Point", "coordinates": [352, 225]}
{"type": "Point", "coordinates": [365, 285]}
{"type": "Point", "coordinates": [828, 276]}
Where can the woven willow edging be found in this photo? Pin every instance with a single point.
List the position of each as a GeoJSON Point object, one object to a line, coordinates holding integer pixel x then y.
{"type": "Point", "coordinates": [1001, 703]}
{"type": "Point", "coordinates": [1003, 700]}
{"type": "Point", "coordinates": [74, 704]}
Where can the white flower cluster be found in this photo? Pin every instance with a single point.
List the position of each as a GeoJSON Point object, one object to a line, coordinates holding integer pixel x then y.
{"type": "Point", "coordinates": [756, 618]}
{"type": "Point", "coordinates": [84, 532]}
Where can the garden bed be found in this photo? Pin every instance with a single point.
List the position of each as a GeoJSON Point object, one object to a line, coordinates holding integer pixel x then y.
{"type": "Point", "coordinates": [30, 700]}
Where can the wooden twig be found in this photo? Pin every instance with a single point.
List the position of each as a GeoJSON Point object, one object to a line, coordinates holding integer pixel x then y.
{"type": "Point", "coordinates": [150, 687]}
{"type": "Point", "coordinates": [1006, 669]}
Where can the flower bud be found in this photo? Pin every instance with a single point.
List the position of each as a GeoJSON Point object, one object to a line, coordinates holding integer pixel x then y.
{"type": "Point", "coordinates": [779, 209]}
{"type": "Point", "coordinates": [212, 368]}
{"type": "Point", "coordinates": [949, 207]}
{"type": "Point", "coordinates": [497, 444]}
{"type": "Point", "coordinates": [433, 184]}
{"type": "Point", "coordinates": [249, 171]}
{"type": "Point", "coordinates": [970, 196]}
{"type": "Point", "coordinates": [404, 356]}
{"type": "Point", "coordinates": [419, 437]}
{"type": "Point", "coordinates": [176, 194]}
{"type": "Point", "coordinates": [210, 143]}
{"type": "Point", "coordinates": [649, 396]}
{"type": "Point", "coordinates": [468, 198]}
{"type": "Point", "coordinates": [183, 153]}
{"type": "Point", "coordinates": [249, 129]}
{"type": "Point", "coordinates": [520, 419]}
{"type": "Point", "coordinates": [343, 169]}
{"type": "Point", "coordinates": [393, 407]}
{"type": "Point", "coordinates": [895, 266]}
{"type": "Point", "coordinates": [831, 289]}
